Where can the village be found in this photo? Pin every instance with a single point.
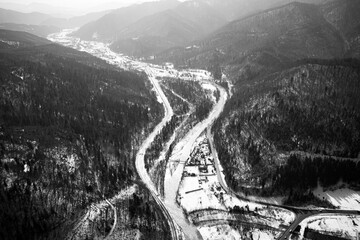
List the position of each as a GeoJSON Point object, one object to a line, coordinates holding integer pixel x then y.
{"type": "Point", "coordinates": [201, 187]}
{"type": "Point", "coordinates": [204, 200]}
{"type": "Point", "coordinates": [201, 196]}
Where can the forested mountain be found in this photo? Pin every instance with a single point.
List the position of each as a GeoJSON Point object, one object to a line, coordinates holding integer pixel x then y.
{"type": "Point", "coordinates": [343, 15]}
{"type": "Point", "coordinates": [279, 35]}
{"type": "Point", "coordinates": [9, 16]}
{"type": "Point", "coordinates": [154, 34]}
{"type": "Point", "coordinates": [294, 105]}
{"type": "Point", "coordinates": [15, 39]}
{"type": "Point", "coordinates": [176, 27]}
{"type": "Point", "coordinates": [38, 30]}
{"type": "Point", "coordinates": [73, 22]}
{"type": "Point", "coordinates": [40, 20]}
{"type": "Point", "coordinates": [56, 11]}
{"type": "Point", "coordinates": [149, 28]}
{"type": "Point", "coordinates": [70, 125]}
{"type": "Point", "coordinates": [107, 27]}
{"type": "Point", "coordinates": [307, 113]}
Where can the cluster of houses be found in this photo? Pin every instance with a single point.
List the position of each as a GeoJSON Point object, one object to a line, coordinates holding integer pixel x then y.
{"type": "Point", "coordinates": [200, 188]}
{"type": "Point", "coordinates": [201, 162]}
{"type": "Point", "coordinates": [168, 70]}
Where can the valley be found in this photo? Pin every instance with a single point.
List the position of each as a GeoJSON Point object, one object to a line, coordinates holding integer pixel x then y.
{"type": "Point", "coordinates": [180, 119]}
{"type": "Point", "coordinates": [213, 201]}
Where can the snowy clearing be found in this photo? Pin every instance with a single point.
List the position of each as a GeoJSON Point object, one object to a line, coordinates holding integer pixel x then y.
{"type": "Point", "coordinates": [204, 199]}
{"type": "Point", "coordinates": [345, 226]}
{"type": "Point", "coordinates": [198, 193]}
{"type": "Point", "coordinates": [223, 232]}
{"type": "Point", "coordinates": [262, 235]}
{"type": "Point", "coordinates": [343, 198]}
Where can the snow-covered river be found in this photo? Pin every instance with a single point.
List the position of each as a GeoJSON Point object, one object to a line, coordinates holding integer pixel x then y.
{"type": "Point", "coordinates": [183, 148]}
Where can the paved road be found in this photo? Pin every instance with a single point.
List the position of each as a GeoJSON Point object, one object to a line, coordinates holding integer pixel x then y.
{"type": "Point", "coordinates": [182, 151]}
{"type": "Point", "coordinates": [115, 219]}
{"type": "Point", "coordinates": [302, 213]}
{"type": "Point", "coordinates": [306, 213]}
{"type": "Point", "coordinates": [140, 163]}
{"type": "Point", "coordinates": [215, 155]}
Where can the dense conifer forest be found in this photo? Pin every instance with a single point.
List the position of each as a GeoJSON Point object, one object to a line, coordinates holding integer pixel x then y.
{"type": "Point", "coordinates": [293, 129]}
{"type": "Point", "coordinates": [70, 127]}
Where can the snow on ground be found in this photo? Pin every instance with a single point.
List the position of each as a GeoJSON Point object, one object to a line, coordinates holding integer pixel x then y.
{"type": "Point", "coordinates": [231, 202]}
{"type": "Point", "coordinates": [200, 189]}
{"type": "Point", "coordinates": [208, 86]}
{"type": "Point", "coordinates": [85, 225]}
{"type": "Point", "coordinates": [191, 170]}
{"type": "Point", "coordinates": [126, 193]}
{"type": "Point", "coordinates": [198, 193]}
{"type": "Point", "coordinates": [194, 74]}
{"type": "Point", "coordinates": [219, 232]}
{"type": "Point", "coordinates": [281, 216]}
{"type": "Point", "coordinates": [103, 51]}
{"type": "Point", "coordinates": [270, 200]}
{"type": "Point", "coordinates": [345, 226]}
{"type": "Point", "coordinates": [262, 235]}
{"type": "Point", "coordinates": [344, 198]}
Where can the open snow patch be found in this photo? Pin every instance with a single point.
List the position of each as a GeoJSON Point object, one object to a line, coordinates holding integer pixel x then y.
{"type": "Point", "coordinates": [345, 226]}
{"type": "Point", "coordinates": [224, 232]}
{"type": "Point", "coordinates": [343, 198]}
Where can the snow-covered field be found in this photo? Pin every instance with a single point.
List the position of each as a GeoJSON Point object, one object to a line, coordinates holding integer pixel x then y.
{"type": "Point", "coordinates": [208, 86]}
{"type": "Point", "coordinates": [203, 195]}
{"type": "Point", "coordinates": [277, 215]}
{"type": "Point", "coordinates": [343, 198]}
{"type": "Point", "coordinates": [203, 191]}
{"type": "Point", "coordinates": [270, 200]}
{"type": "Point", "coordinates": [200, 190]}
{"type": "Point", "coordinates": [223, 232]}
{"type": "Point", "coordinates": [345, 226]}
{"type": "Point", "coordinates": [256, 234]}
{"type": "Point", "coordinates": [226, 232]}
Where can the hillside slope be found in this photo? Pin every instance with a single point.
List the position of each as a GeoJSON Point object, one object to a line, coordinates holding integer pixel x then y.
{"type": "Point", "coordinates": [293, 116]}
{"type": "Point", "coordinates": [16, 39]}
{"type": "Point", "coordinates": [38, 30]}
{"type": "Point", "coordinates": [107, 27]}
{"type": "Point", "coordinates": [9, 16]}
{"type": "Point", "coordinates": [343, 15]}
{"type": "Point", "coordinates": [167, 29]}
{"type": "Point", "coordinates": [70, 125]}
{"type": "Point", "coordinates": [289, 32]}
{"type": "Point", "coordinates": [309, 109]}
{"type": "Point", "coordinates": [74, 22]}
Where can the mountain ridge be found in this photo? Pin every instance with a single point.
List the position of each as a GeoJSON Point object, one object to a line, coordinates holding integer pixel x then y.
{"type": "Point", "coordinates": [68, 121]}
{"type": "Point", "coordinates": [104, 28]}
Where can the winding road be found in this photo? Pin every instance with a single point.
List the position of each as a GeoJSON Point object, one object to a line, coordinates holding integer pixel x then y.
{"type": "Point", "coordinates": [140, 163]}
{"type": "Point", "coordinates": [176, 163]}
{"type": "Point", "coordinates": [304, 213]}
{"type": "Point", "coordinates": [174, 214]}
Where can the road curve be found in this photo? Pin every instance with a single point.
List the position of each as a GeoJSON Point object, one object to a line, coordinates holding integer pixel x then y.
{"type": "Point", "coordinates": [115, 219]}
{"type": "Point", "coordinates": [140, 163]}
{"type": "Point", "coordinates": [177, 162]}
{"type": "Point", "coordinates": [314, 212]}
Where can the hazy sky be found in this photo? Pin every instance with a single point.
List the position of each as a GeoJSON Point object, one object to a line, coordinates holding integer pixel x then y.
{"type": "Point", "coordinates": [78, 6]}
{"type": "Point", "coordinates": [74, 3]}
